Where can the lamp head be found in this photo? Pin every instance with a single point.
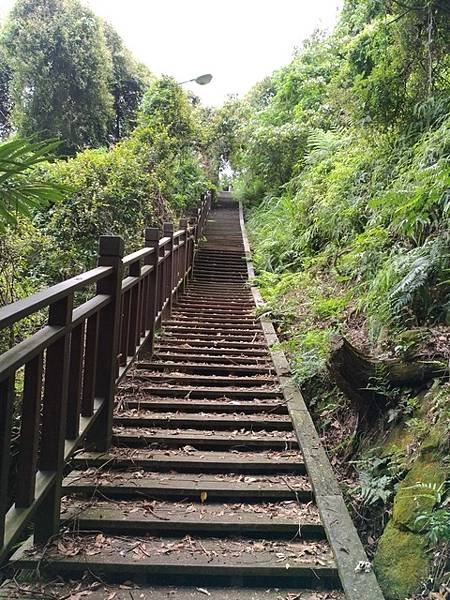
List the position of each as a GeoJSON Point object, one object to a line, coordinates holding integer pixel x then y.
{"type": "Point", "coordinates": [203, 79]}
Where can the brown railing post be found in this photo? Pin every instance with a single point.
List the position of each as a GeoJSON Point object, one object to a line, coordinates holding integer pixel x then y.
{"type": "Point", "coordinates": [110, 254]}
{"type": "Point", "coordinates": [75, 380]}
{"type": "Point", "coordinates": [168, 232]}
{"type": "Point", "coordinates": [147, 289]}
{"type": "Point", "coordinates": [6, 410]}
{"type": "Point", "coordinates": [124, 328]}
{"type": "Point", "coordinates": [29, 432]}
{"type": "Point", "coordinates": [54, 416]}
{"type": "Point", "coordinates": [133, 338]}
{"type": "Point", "coordinates": [184, 252]}
{"type": "Point", "coordinates": [152, 237]}
{"type": "Point", "coordinates": [194, 224]}
{"type": "Point", "coordinates": [175, 266]}
{"type": "Point", "coordinates": [90, 365]}
{"type": "Point", "coordinates": [161, 283]}
{"type": "Point", "coordinates": [189, 244]}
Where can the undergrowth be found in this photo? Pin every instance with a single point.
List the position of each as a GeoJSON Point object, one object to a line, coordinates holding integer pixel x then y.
{"type": "Point", "coordinates": [342, 158]}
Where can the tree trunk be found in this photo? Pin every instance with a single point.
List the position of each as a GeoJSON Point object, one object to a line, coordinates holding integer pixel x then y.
{"type": "Point", "coordinates": [368, 382]}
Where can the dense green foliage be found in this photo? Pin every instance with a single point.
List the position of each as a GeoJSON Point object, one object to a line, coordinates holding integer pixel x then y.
{"type": "Point", "coordinates": [22, 192]}
{"type": "Point", "coordinates": [129, 82]}
{"type": "Point", "coordinates": [345, 153]}
{"type": "Point", "coordinates": [343, 160]}
{"type": "Point", "coordinates": [151, 176]}
{"type": "Point", "coordinates": [66, 75]}
{"type": "Point", "coordinates": [154, 174]}
{"type": "Point", "coordinates": [5, 99]}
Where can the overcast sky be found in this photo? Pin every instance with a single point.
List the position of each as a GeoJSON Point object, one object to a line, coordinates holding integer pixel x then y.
{"type": "Point", "coordinates": [238, 41]}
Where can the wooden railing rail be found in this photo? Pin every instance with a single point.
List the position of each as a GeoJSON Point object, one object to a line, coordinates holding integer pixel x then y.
{"type": "Point", "coordinates": [69, 369]}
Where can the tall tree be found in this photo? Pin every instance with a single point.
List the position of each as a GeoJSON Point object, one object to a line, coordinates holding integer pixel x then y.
{"type": "Point", "coordinates": [166, 106]}
{"type": "Point", "coordinates": [5, 97]}
{"type": "Point", "coordinates": [397, 60]}
{"type": "Point", "coordinates": [130, 80]}
{"type": "Point", "coordinates": [61, 72]}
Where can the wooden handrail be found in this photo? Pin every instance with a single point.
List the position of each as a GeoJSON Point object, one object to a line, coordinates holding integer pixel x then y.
{"type": "Point", "coordinates": [73, 363]}
{"type": "Point", "coordinates": [11, 313]}
{"type": "Point", "coordinates": [135, 256]}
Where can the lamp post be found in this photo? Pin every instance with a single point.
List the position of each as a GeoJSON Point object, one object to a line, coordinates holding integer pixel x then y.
{"type": "Point", "coordinates": [201, 79]}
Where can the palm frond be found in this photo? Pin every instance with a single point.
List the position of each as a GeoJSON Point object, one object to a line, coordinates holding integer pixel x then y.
{"type": "Point", "coordinates": [21, 190]}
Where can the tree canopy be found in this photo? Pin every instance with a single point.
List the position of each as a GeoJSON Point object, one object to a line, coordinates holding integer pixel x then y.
{"type": "Point", "coordinates": [65, 74]}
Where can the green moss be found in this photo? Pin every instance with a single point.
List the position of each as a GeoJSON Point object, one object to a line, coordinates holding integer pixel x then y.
{"type": "Point", "coordinates": [400, 562]}
{"type": "Point", "coordinates": [410, 502]}
{"type": "Point", "coordinates": [397, 441]}
{"type": "Point", "coordinates": [434, 440]}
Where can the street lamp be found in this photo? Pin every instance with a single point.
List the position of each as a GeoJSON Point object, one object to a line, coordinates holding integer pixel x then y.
{"type": "Point", "coordinates": [201, 79]}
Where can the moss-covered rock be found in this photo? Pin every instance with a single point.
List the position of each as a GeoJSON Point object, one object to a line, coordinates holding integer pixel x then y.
{"type": "Point", "coordinates": [411, 501]}
{"type": "Point", "coordinates": [400, 562]}
{"type": "Point", "coordinates": [434, 441]}
{"type": "Point", "coordinates": [397, 441]}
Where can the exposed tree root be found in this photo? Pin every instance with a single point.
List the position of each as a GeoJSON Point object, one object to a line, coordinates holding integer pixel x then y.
{"type": "Point", "coordinates": [368, 382]}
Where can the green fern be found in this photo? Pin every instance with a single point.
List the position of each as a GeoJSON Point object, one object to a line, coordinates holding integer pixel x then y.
{"type": "Point", "coordinates": [411, 288]}
{"type": "Point", "coordinates": [436, 523]}
{"type": "Point", "coordinates": [322, 144]}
